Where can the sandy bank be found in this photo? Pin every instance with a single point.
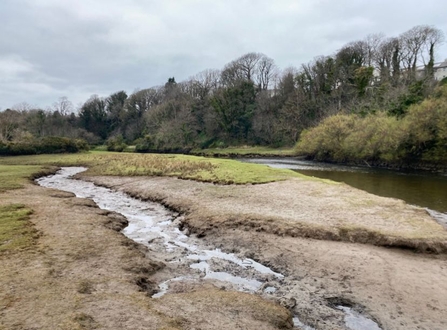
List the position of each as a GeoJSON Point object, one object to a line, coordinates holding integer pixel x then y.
{"type": "Point", "coordinates": [296, 208]}
{"type": "Point", "coordinates": [398, 288]}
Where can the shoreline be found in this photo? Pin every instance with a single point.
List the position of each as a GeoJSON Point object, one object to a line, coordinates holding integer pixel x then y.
{"type": "Point", "coordinates": [289, 153]}
{"type": "Point", "coordinates": [355, 216]}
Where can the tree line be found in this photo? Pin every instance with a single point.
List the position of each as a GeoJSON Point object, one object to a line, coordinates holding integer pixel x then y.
{"type": "Point", "coordinates": [416, 140]}
{"type": "Point", "coordinates": [249, 101]}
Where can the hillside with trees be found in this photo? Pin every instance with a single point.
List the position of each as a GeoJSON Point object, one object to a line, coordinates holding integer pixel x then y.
{"type": "Point", "coordinates": [365, 86]}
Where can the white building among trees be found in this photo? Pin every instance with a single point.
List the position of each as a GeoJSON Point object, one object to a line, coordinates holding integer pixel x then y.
{"type": "Point", "coordinates": [440, 70]}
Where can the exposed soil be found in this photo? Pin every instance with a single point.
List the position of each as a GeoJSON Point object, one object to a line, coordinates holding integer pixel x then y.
{"type": "Point", "coordinates": [83, 274]}
{"type": "Point", "coordinates": [306, 230]}
{"type": "Point", "coordinates": [294, 207]}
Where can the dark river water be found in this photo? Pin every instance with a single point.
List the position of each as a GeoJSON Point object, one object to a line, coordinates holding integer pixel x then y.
{"type": "Point", "coordinates": [417, 188]}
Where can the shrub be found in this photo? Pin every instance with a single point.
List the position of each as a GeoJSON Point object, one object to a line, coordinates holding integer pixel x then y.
{"type": "Point", "coordinates": [325, 142]}
{"type": "Point", "coordinates": [376, 137]}
{"type": "Point", "coordinates": [145, 144]}
{"type": "Point", "coordinates": [45, 145]}
{"type": "Point", "coordinates": [419, 136]}
{"type": "Point", "coordinates": [116, 144]}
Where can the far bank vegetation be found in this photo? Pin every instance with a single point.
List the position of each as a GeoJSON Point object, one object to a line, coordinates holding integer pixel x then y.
{"type": "Point", "coordinates": [419, 137]}
{"type": "Point", "coordinates": [369, 90]}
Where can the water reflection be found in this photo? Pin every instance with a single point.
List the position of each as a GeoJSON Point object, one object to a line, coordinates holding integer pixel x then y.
{"type": "Point", "coordinates": [417, 188]}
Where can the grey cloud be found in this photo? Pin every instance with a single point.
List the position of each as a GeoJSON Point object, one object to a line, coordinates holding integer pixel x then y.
{"type": "Point", "coordinates": [79, 48]}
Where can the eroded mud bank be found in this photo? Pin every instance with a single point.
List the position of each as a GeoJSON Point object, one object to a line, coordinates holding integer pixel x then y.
{"type": "Point", "coordinates": [190, 261]}
{"type": "Point", "coordinates": [389, 285]}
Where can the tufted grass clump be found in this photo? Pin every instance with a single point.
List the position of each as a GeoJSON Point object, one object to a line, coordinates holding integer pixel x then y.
{"type": "Point", "coordinates": [16, 232]}
{"type": "Point", "coordinates": [14, 176]}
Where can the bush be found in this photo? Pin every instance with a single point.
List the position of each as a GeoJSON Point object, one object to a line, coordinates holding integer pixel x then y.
{"type": "Point", "coordinates": [376, 137]}
{"type": "Point", "coordinates": [325, 141]}
{"type": "Point", "coordinates": [418, 137]}
{"type": "Point", "coordinates": [145, 144]}
{"type": "Point", "coordinates": [56, 145]}
{"type": "Point", "coordinates": [116, 144]}
{"type": "Point", "coordinates": [45, 145]}
{"type": "Point", "coordinates": [426, 125]}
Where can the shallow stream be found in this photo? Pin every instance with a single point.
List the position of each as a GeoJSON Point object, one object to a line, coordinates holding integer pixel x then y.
{"type": "Point", "coordinates": [187, 257]}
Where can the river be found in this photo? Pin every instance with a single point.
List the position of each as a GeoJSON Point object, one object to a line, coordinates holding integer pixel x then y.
{"type": "Point", "coordinates": [419, 188]}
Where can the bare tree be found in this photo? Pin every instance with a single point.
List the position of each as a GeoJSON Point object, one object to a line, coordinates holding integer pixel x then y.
{"type": "Point", "coordinates": [248, 64]}
{"type": "Point", "coordinates": [435, 37]}
{"type": "Point", "coordinates": [373, 43]}
{"type": "Point", "coordinates": [412, 43]}
{"type": "Point", "coordinates": [383, 58]}
{"type": "Point", "coordinates": [265, 72]}
{"type": "Point", "coordinates": [203, 83]}
{"type": "Point", "coordinates": [254, 67]}
{"type": "Point", "coordinates": [418, 48]}
{"type": "Point", "coordinates": [231, 74]}
{"type": "Point", "coordinates": [63, 106]}
{"type": "Point", "coordinates": [9, 123]}
{"type": "Point", "coordinates": [22, 107]}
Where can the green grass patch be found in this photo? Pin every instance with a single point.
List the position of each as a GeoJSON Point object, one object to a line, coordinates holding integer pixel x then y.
{"type": "Point", "coordinates": [245, 151]}
{"type": "Point", "coordinates": [15, 231]}
{"type": "Point", "coordinates": [100, 148]}
{"type": "Point", "coordinates": [221, 171]}
{"type": "Point", "coordinates": [228, 171]}
{"type": "Point", "coordinates": [104, 148]}
{"type": "Point", "coordinates": [14, 176]}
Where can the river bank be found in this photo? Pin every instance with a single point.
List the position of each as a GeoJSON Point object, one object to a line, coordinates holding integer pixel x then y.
{"type": "Point", "coordinates": [421, 188]}
{"type": "Point", "coordinates": [296, 207]}
{"type": "Point", "coordinates": [319, 234]}
{"type": "Point", "coordinates": [398, 288]}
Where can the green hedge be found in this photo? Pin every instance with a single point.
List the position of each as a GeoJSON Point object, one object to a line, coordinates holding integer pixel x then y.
{"type": "Point", "coordinates": [45, 145]}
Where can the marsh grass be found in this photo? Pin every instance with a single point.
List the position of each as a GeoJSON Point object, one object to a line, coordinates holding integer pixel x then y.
{"type": "Point", "coordinates": [14, 176]}
{"type": "Point", "coordinates": [15, 231]}
{"type": "Point", "coordinates": [244, 151]}
{"type": "Point", "coordinates": [222, 171]}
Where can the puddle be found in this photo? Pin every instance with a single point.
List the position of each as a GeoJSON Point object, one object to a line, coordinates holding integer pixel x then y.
{"type": "Point", "coordinates": [164, 286]}
{"type": "Point", "coordinates": [301, 325]}
{"type": "Point", "coordinates": [186, 257]}
{"type": "Point", "coordinates": [356, 321]}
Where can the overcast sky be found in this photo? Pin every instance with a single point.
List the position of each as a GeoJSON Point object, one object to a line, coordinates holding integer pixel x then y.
{"type": "Point", "coordinates": [76, 48]}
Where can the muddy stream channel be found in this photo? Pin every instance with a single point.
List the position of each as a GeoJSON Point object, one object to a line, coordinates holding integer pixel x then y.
{"type": "Point", "coordinates": [191, 259]}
